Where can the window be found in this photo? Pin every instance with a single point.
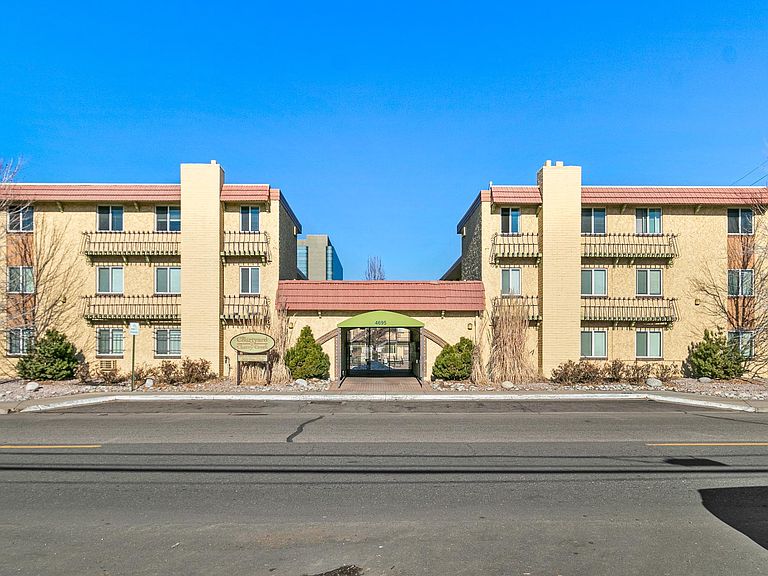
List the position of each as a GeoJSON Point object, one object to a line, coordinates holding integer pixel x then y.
{"type": "Point", "coordinates": [302, 257]}
{"type": "Point", "coordinates": [648, 221]}
{"type": "Point", "coordinates": [168, 219]}
{"type": "Point", "coordinates": [510, 221]}
{"type": "Point", "coordinates": [649, 282]}
{"type": "Point", "coordinates": [110, 218]}
{"type": "Point", "coordinates": [744, 340]}
{"type": "Point", "coordinates": [20, 341]}
{"type": "Point", "coordinates": [648, 344]}
{"type": "Point", "coordinates": [167, 280]}
{"type": "Point", "coordinates": [21, 218]}
{"type": "Point", "coordinates": [594, 282]}
{"type": "Point", "coordinates": [109, 280]}
{"type": "Point", "coordinates": [739, 221]}
{"type": "Point", "coordinates": [21, 280]}
{"type": "Point", "coordinates": [109, 341]}
{"type": "Point", "coordinates": [594, 344]}
{"type": "Point", "coordinates": [249, 218]}
{"type": "Point", "coordinates": [168, 342]}
{"type": "Point", "coordinates": [593, 220]}
{"type": "Point", "coordinates": [740, 282]}
{"type": "Point", "coordinates": [249, 280]}
{"type": "Point", "coordinates": [510, 282]}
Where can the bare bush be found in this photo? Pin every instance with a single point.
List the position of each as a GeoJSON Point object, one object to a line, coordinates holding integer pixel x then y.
{"type": "Point", "coordinates": [637, 373]}
{"type": "Point", "coordinates": [615, 370]}
{"type": "Point", "coordinates": [509, 359]}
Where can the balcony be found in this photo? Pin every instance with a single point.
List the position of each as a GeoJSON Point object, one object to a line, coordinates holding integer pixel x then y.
{"type": "Point", "coordinates": [617, 246]}
{"type": "Point", "coordinates": [530, 304]}
{"type": "Point", "coordinates": [246, 245]}
{"type": "Point", "coordinates": [249, 310]}
{"type": "Point", "coordinates": [525, 245]}
{"type": "Point", "coordinates": [646, 310]}
{"type": "Point", "coordinates": [134, 243]}
{"type": "Point", "coordinates": [127, 308]}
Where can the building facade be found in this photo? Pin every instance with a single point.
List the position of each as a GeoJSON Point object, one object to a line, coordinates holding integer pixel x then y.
{"type": "Point", "coordinates": [613, 272]}
{"type": "Point", "coordinates": [317, 258]}
{"type": "Point", "coordinates": [600, 272]}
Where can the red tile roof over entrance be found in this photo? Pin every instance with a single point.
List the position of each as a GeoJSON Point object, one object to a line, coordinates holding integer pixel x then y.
{"type": "Point", "coordinates": [381, 295]}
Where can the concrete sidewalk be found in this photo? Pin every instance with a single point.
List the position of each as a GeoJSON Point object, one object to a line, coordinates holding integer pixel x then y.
{"type": "Point", "coordinates": [692, 400]}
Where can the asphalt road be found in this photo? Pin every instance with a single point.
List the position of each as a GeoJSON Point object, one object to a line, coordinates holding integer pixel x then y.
{"type": "Point", "coordinates": [268, 489]}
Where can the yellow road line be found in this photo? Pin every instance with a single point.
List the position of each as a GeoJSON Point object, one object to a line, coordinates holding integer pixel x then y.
{"type": "Point", "coordinates": [710, 444]}
{"type": "Point", "coordinates": [46, 447]}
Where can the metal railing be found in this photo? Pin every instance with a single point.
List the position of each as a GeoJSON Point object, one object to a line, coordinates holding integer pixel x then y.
{"type": "Point", "coordinates": [629, 246]}
{"type": "Point", "coordinates": [648, 310]}
{"type": "Point", "coordinates": [525, 245]}
{"type": "Point", "coordinates": [529, 303]}
{"type": "Point", "coordinates": [116, 307]}
{"type": "Point", "coordinates": [246, 244]}
{"type": "Point", "coordinates": [134, 243]}
{"type": "Point", "coordinates": [245, 309]}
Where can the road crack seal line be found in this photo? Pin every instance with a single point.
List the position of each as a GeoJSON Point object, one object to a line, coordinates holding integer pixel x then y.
{"type": "Point", "coordinates": [300, 429]}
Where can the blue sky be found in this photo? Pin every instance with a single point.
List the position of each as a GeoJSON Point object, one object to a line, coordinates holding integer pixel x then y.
{"type": "Point", "coordinates": [381, 121]}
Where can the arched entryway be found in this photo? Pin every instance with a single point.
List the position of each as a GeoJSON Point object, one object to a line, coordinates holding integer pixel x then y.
{"type": "Point", "coordinates": [381, 343]}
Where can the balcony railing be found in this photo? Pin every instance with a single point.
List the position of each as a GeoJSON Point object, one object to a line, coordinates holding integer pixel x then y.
{"type": "Point", "coordinates": [131, 308]}
{"type": "Point", "coordinates": [246, 244]}
{"type": "Point", "coordinates": [646, 310]}
{"type": "Point", "coordinates": [529, 304]}
{"type": "Point", "coordinates": [134, 243]}
{"type": "Point", "coordinates": [246, 309]}
{"type": "Point", "coordinates": [525, 245]}
{"type": "Point", "coordinates": [662, 246]}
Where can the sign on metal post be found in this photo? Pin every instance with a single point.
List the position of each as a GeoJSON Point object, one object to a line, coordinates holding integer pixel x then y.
{"type": "Point", "coordinates": [133, 330]}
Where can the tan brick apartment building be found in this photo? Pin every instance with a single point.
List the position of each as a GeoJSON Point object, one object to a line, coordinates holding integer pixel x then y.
{"type": "Point", "coordinates": [604, 272]}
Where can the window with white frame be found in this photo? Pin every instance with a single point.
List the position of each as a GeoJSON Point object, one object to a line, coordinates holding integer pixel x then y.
{"type": "Point", "coordinates": [740, 221]}
{"type": "Point", "coordinates": [249, 218]}
{"type": "Point", "coordinates": [168, 280]}
{"type": "Point", "coordinates": [19, 341]}
{"type": "Point", "coordinates": [593, 220]}
{"type": "Point", "coordinates": [109, 342]}
{"type": "Point", "coordinates": [648, 344]}
{"type": "Point", "coordinates": [594, 282]}
{"type": "Point", "coordinates": [109, 218]}
{"type": "Point", "coordinates": [741, 282]}
{"type": "Point", "coordinates": [648, 282]}
{"type": "Point", "coordinates": [249, 280]}
{"type": "Point", "coordinates": [168, 342]}
{"type": "Point", "coordinates": [648, 221]}
{"type": "Point", "coordinates": [109, 280]}
{"type": "Point", "coordinates": [510, 282]}
{"type": "Point", "coordinates": [594, 344]}
{"type": "Point", "coordinates": [21, 280]}
{"type": "Point", "coordinates": [510, 220]}
{"type": "Point", "coordinates": [744, 341]}
{"type": "Point", "coordinates": [167, 219]}
{"type": "Point", "coordinates": [21, 219]}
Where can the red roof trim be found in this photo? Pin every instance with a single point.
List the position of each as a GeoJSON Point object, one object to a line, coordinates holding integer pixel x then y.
{"type": "Point", "coordinates": [354, 296]}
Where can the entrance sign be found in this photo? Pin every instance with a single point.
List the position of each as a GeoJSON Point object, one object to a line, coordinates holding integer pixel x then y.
{"type": "Point", "coordinates": [252, 357]}
{"type": "Point", "coordinates": [252, 343]}
{"type": "Point", "coordinates": [381, 319]}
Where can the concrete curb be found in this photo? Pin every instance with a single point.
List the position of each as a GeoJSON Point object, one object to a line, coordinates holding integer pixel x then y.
{"type": "Point", "coordinates": [655, 397]}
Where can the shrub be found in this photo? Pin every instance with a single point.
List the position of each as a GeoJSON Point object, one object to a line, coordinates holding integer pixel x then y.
{"type": "Point", "coordinates": [142, 372]}
{"type": "Point", "coordinates": [637, 373]}
{"type": "Point", "coordinates": [582, 372]}
{"type": "Point", "coordinates": [714, 357]}
{"type": "Point", "coordinates": [666, 372]}
{"type": "Point", "coordinates": [454, 361]}
{"type": "Point", "coordinates": [195, 370]}
{"type": "Point", "coordinates": [614, 371]}
{"type": "Point", "coordinates": [83, 372]}
{"type": "Point", "coordinates": [53, 357]}
{"type": "Point", "coordinates": [168, 373]}
{"type": "Point", "coordinates": [113, 377]}
{"type": "Point", "coordinates": [306, 358]}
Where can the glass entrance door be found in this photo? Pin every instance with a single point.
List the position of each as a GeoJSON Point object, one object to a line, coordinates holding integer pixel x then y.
{"type": "Point", "coordinates": [380, 350]}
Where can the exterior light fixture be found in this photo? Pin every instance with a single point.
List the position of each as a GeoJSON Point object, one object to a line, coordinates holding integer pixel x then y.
{"type": "Point", "coordinates": [469, 326]}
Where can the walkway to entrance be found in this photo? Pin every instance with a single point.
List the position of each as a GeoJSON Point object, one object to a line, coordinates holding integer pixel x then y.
{"type": "Point", "coordinates": [379, 385]}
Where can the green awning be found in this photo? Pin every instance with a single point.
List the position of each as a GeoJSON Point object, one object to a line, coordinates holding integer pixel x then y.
{"type": "Point", "coordinates": [381, 319]}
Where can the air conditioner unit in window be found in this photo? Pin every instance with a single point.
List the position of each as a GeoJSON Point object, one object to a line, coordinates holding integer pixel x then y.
{"type": "Point", "coordinates": [107, 365]}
